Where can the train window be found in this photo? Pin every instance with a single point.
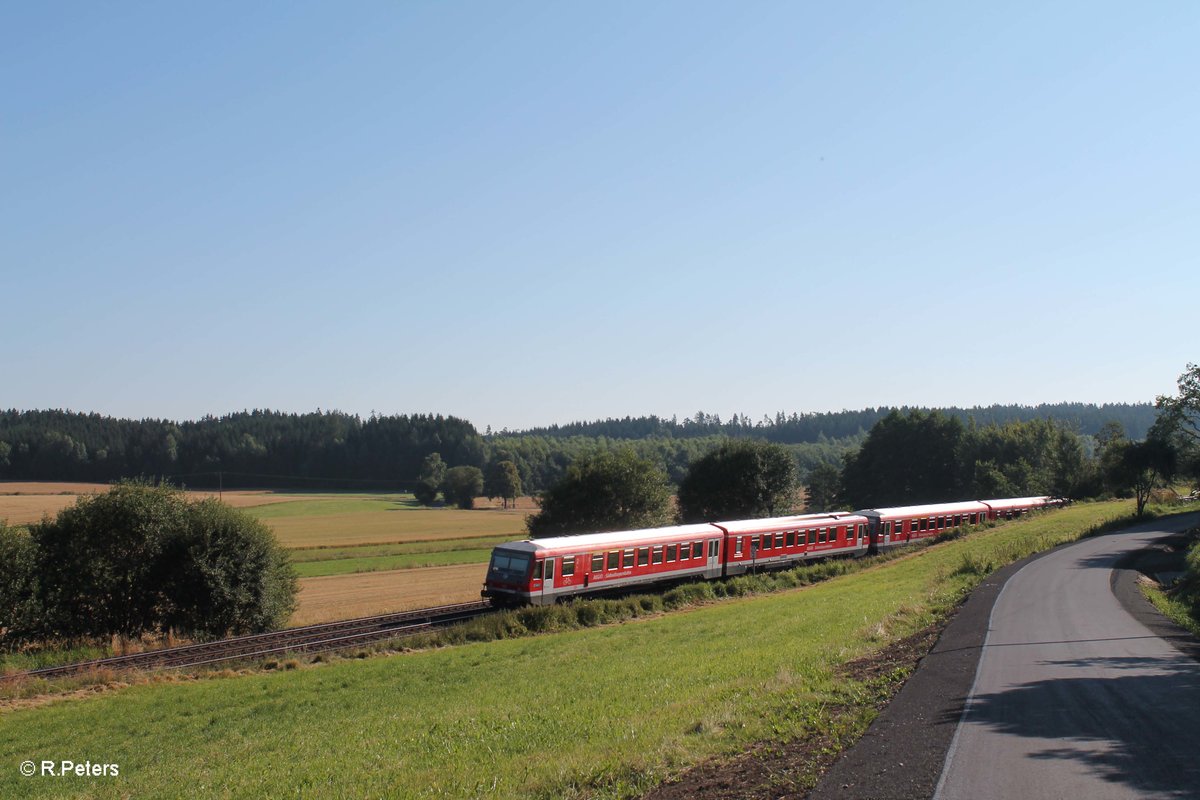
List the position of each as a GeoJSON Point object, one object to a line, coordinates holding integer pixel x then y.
{"type": "Point", "coordinates": [779, 540]}
{"type": "Point", "coordinates": [627, 562]}
{"type": "Point", "coordinates": [598, 562]}
{"type": "Point", "coordinates": [685, 551]}
{"type": "Point", "coordinates": [643, 556]}
{"type": "Point", "coordinates": [765, 542]}
{"type": "Point", "coordinates": [862, 531]}
{"type": "Point", "coordinates": [737, 546]}
{"type": "Point", "coordinates": [887, 529]}
{"type": "Point", "coordinates": [712, 548]}
{"type": "Point", "coordinates": [550, 570]}
{"type": "Point", "coordinates": [658, 555]}
{"type": "Point", "coordinates": [791, 538]}
{"type": "Point", "coordinates": [697, 549]}
{"type": "Point", "coordinates": [812, 536]}
{"type": "Point", "coordinates": [672, 550]}
{"type": "Point", "coordinates": [821, 536]}
{"type": "Point", "coordinates": [614, 559]}
{"type": "Point", "coordinates": [973, 518]}
{"type": "Point", "coordinates": [568, 568]}
{"type": "Point", "coordinates": [537, 570]}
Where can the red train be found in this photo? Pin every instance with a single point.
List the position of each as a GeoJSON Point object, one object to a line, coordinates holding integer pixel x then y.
{"type": "Point", "coordinates": [544, 571]}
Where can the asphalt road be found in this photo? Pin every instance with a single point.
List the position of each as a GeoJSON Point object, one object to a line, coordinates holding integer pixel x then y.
{"type": "Point", "coordinates": [1074, 697]}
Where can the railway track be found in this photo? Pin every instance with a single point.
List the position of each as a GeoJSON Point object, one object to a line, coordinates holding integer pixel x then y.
{"type": "Point", "coordinates": [322, 638]}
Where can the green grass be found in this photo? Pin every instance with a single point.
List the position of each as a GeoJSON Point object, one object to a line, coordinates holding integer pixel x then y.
{"type": "Point", "coordinates": [355, 503]}
{"type": "Point", "coordinates": [303, 554]}
{"type": "Point", "coordinates": [342, 566]}
{"type": "Point", "coordinates": [603, 711]}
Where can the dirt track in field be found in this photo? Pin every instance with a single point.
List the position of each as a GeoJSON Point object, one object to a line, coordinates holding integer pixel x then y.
{"type": "Point", "coordinates": [336, 597]}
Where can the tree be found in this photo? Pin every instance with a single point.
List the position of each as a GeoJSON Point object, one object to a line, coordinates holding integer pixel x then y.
{"type": "Point", "coordinates": [502, 481]}
{"type": "Point", "coordinates": [604, 491]}
{"type": "Point", "coordinates": [913, 457]}
{"type": "Point", "coordinates": [821, 488]}
{"type": "Point", "coordinates": [1142, 467]}
{"type": "Point", "coordinates": [230, 575]}
{"type": "Point", "coordinates": [739, 479]}
{"type": "Point", "coordinates": [1182, 412]}
{"type": "Point", "coordinates": [142, 559]}
{"type": "Point", "coordinates": [20, 608]}
{"type": "Point", "coordinates": [462, 485]}
{"type": "Point", "coordinates": [429, 480]}
{"type": "Point", "coordinates": [101, 561]}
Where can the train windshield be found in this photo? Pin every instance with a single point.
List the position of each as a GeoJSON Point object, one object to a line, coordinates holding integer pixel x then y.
{"type": "Point", "coordinates": [509, 566]}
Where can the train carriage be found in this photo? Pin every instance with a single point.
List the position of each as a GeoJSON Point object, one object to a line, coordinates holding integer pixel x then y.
{"type": "Point", "coordinates": [542, 571]}
{"type": "Point", "coordinates": [783, 541]}
{"type": "Point", "coordinates": [897, 525]}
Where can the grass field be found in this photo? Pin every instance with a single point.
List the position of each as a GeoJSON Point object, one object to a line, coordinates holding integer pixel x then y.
{"type": "Point", "coordinates": [601, 712]}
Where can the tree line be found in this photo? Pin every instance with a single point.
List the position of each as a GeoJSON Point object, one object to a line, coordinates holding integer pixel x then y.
{"type": "Point", "coordinates": [1083, 418]}
{"type": "Point", "coordinates": [269, 449]}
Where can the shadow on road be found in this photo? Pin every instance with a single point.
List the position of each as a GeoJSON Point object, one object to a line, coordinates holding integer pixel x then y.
{"type": "Point", "coordinates": [1138, 727]}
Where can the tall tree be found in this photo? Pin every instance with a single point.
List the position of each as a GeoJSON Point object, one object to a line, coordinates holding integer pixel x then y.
{"type": "Point", "coordinates": [1142, 467]}
{"type": "Point", "coordinates": [429, 480]}
{"type": "Point", "coordinates": [1182, 412]}
{"type": "Point", "coordinates": [503, 481]}
{"type": "Point", "coordinates": [462, 485]}
{"type": "Point", "coordinates": [914, 457]}
{"type": "Point", "coordinates": [605, 491]}
{"type": "Point", "coordinates": [821, 488]}
{"type": "Point", "coordinates": [739, 479]}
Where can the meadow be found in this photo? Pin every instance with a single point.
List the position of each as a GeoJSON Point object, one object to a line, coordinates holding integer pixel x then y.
{"type": "Point", "coordinates": [599, 712]}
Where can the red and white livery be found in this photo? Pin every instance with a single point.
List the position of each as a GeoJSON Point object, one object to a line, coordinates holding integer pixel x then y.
{"type": "Point", "coordinates": [544, 571]}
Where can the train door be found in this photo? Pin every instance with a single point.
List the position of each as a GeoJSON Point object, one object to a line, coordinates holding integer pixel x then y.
{"type": "Point", "coordinates": [548, 581]}
{"type": "Point", "coordinates": [714, 557]}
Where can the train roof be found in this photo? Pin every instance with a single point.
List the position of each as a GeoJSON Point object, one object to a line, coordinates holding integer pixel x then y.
{"type": "Point", "coordinates": [783, 523]}
{"type": "Point", "coordinates": [1017, 502]}
{"type": "Point", "coordinates": [927, 510]}
{"type": "Point", "coordinates": [610, 539]}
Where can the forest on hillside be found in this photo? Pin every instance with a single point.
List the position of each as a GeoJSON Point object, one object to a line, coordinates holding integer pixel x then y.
{"type": "Point", "coordinates": [332, 449]}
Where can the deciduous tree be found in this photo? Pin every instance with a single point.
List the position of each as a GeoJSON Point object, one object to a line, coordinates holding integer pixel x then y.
{"type": "Point", "coordinates": [740, 479]}
{"type": "Point", "coordinates": [429, 480]}
{"type": "Point", "coordinates": [502, 481]}
{"type": "Point", "coordinates": [462, 485]}
{"type": "Point", "coordinates": [605, 491]}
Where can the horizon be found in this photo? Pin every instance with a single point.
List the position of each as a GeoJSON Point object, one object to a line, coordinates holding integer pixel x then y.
{"type": "Point", "coordinates": [533, 214]}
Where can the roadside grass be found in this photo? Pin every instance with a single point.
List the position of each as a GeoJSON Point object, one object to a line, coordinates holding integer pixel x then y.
{"type": "Point", "coordinates": [604, 711]}
{"type": "Point", "coordinates": [1181, 603]}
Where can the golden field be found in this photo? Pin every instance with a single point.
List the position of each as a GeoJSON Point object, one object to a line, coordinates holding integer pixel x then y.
{"type": "Point", "coordinates": [358, 595]}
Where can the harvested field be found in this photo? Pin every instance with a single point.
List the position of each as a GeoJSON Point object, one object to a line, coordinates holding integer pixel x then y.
{"type": "Point", "coordinates": [342, 596]}
{"type": "Point", "coordinates": [24, 502]}
{"type": "Point", "coordinates": [387, 527]}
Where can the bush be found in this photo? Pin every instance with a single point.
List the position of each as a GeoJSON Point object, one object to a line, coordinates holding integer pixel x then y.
{"type": "Point", "coordinates": [143, 559]}
{"type": "Point", "coordinates": [20, 606]}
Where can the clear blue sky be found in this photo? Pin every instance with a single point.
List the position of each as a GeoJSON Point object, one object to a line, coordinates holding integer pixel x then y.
{"type": "Point", "coordinates": [526, 213]}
